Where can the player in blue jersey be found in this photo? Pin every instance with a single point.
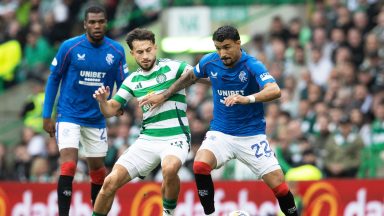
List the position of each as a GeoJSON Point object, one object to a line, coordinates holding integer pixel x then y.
{"type": "Point", "coordinates": [240, 84]}
{"type": "Point", "coordinates": [81, 66]}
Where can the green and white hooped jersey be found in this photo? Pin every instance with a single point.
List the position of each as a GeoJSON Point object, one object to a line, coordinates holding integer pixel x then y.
{"type": "Point", "coordinates": [170, 118]}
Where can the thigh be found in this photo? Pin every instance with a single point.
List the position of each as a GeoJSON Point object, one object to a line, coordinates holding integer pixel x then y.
{"type": "Point", "coordinates": [94, 141]}
{"type": "Point", "coordinates": [67, 135]}
{"type": "Point", "coordinates": [255, 152]}
{"type": "Point", "coordinates": [219, 144]}
{"type": "Point", "coordinates": [175, 146]}
{"type": "Point", "coordinates": [140, 158]}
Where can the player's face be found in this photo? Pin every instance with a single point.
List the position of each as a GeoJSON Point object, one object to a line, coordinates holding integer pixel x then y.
{"type": "Point", "coordinates": [95, 25]}
{"type": "Point", "coordinates": [144, 52]}
{"type": "Point", "coordinates": [229, 51]}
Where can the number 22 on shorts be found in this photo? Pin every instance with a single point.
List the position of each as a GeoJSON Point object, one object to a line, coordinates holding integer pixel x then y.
{"type": "Point", "coordinates": [261, 149]}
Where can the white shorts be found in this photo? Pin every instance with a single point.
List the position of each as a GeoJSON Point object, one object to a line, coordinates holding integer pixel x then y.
{"type": "Point", "coordinates": [146, 154]}
{"type": "Point", "coordinates": [253, 151]}
{"type": "Point", "coordinates": [93, 140]}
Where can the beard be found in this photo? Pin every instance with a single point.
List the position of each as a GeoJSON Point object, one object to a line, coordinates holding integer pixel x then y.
{"type": "Point", "coordinates": [96, 39]}
{"type": "Point", "coordinates": [228, 62]}
{"type": "Point", "coordinates": [147, 66]}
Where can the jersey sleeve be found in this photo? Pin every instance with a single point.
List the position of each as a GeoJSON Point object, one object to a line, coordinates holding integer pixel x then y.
{"type": "Point", "coordinates": [124, 93]}
{"type": "Point", "coordinates": [261, 73]}
{"type": "Point", "coordinates": [183, 67]}
{"type": "Point", "coordinates": [123, 70]}
{"type": "Point", "coordinates": [199, 69]}
{"type": "Point", "coordinates": [58, 66]}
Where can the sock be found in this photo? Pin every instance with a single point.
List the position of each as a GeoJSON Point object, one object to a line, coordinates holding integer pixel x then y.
{"type": "Point", "coordinates": [169, 206]}
{"type": "Point", "coordinates": [97, 179]}
{"type": "Point", "coordinates": [97, 214]}
{"type": "Point", "coordinates": [204, 186]}
{"type": "Point", "coordinates": [286, 200]}
{"type": "Point", "coordinates": [95, 188]}
{"type": "Point", "coordinates": [64, 194]}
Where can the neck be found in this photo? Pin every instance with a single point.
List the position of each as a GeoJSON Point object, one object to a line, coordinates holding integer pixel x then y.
{"type": "Point", "coordinates": [92, 41]}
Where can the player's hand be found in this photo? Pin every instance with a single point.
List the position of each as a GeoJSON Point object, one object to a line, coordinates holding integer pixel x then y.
{"type": "Point", "coordinates": [49, 126]}
{"type": "Point", "coordinates": [102, 94]}
{"type": "Point", "coordinates": [153, 100]}
{"type": "Point", "coordinates": [119, 112]}
{"type": "Point", "coordinates": [236, 99]}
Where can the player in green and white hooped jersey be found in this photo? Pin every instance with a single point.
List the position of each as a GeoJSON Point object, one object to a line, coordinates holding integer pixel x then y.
{"type": "Point", "coordinates": [165, 135]}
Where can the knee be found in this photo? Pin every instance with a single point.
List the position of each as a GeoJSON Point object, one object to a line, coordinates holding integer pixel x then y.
{"type": "Point", "coordinates": [169, 171]}
{"type": "Point", "coordinates": [201, 168]}
{"type": "Point", "coordinates": [110, 185]}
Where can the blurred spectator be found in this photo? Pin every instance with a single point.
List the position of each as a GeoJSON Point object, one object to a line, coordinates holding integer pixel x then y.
{"type": "Point", "coordinates": [319, 66]}
{"type": "Point", "coordinates": [3, 162]}
{"type": "Point", "coordinates": [40, 170]}
{"type": "Point", "coordinates": [373, 163]}
{"type": "Point", "coordinates": [22, 163]}
{"type": "Point", "coordinates": [278, 29]}
{"type": "Point", "coordinates": [355, 44]}
{"type": "Point", "coordinates": [32, 110]}
{"type": "Point", "coordinates": [38, 56]}
{"type": "Point", "coordinates": [343, 148]}
{"type": "Point", "coordinates": [35, 143]}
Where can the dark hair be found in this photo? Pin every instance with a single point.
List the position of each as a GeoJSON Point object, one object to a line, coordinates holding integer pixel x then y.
{"type": "Point", "coordinates": [94, 9]}
{"type": "Point", "coordinates": [139, 34]}
{"type": "Point", "coordinates": [226, 32]}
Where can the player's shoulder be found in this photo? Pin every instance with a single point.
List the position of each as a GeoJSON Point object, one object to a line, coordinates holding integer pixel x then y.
{"type": "Point", "coordinates": [114, 44]}
{"type": "Point", "coordinates": [254, 63]}
{"type": "Point", "coordinates": [210, 57]}
{"type": "Point", "coordinates": [73, 41]}
{"type": "Point", "coordinates": [169, 62]}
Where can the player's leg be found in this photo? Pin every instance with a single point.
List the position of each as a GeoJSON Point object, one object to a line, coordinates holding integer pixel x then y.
{"type": "Point", "coordinates": [115, 180]}
{"type": "Point", "coordinates": [173, 154]}
{"type": "Point", "coordinates": [67, 137]}
{"type": "Point", "coordinates": [212, 154]}
{"type": "Point", "coordinates": [97, 172]}
{"type": "Point", "coordinates": [255, 152]}
{"type": "Point", "coordinates": [94, 141]}
{"type": "Point", "coordinates": [275, 181]}
{"type": "Point", "coordinates": [171, 183]}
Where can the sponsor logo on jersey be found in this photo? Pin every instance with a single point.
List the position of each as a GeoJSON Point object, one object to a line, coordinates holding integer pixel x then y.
{"type": "Point", "coordinates": [214, 75]}
{"type": "Point", "coordinates": [227, 93]}
{"type": "Point", "coordinates": [80, 57]}
{"type": "Point", "coordinates": [265, 76]}
{"type": "Point", "coordinates": [161, 78]}
{"type": "Point", "coordinates": [109, 58]}
{"type": "Point", "coordinates": [125, 68]}
{"type": "Point", "coordinates": [92, 78]}
{"type": "Point", "coordinates": [243, 76]}
{"type": "Point", "coordinates": [54, 62]}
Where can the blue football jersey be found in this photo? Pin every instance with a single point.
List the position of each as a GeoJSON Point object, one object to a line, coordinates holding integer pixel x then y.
{"type": "Point", "coordinates": [82, 67]}
{"type": "Point", "coordinates": [248, 76]}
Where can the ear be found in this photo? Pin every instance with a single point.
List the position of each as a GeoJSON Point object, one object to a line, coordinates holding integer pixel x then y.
{"type": "Point", "coordinates": [238, 42]}
{"type": "Point", "coordinates": [85, 24]}
{"type": "Point", "coordinates": [131, 52]}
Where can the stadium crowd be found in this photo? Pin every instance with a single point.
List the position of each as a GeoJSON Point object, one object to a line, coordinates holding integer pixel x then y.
{"type": "Point", "coordinates": [330, 67]}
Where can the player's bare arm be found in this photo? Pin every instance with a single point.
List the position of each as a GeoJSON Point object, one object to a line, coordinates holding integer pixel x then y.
{"type": "Point", "coordinates": [271, 91]}
{"type": "Point", "coordinates": [110, 107]}
{"type": "Point", "coordinates": [187, 79]}
{"type": "Point", "coordinates": [205, 81]}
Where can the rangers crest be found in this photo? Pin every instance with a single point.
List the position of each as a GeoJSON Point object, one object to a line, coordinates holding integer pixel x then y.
{"type": "Point", "coordinates": [109, 58]}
